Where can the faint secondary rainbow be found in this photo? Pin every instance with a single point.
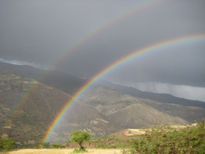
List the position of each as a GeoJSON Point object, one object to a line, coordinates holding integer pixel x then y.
{"type": "Point", "coordinates": [96, 31]}
{"type": "Point", "coordinates": [83, 39]}
{"type": "Point", "coordinates": [23, 99]}
{"type": "Point", "coordinates": [111, 67]}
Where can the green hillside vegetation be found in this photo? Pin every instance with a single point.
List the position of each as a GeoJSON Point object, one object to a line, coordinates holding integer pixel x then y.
{"type": "Point", "coordinates": [169, 140]}
{"type": "Point", "coordinates": [162, 139]}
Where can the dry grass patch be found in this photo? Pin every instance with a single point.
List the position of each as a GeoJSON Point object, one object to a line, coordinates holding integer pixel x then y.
{"type": "Point", "coordinates": [65, 151]}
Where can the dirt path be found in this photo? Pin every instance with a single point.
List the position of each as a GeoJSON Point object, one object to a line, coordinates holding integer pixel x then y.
{"type": "Point", "coordinates": [65, 151]}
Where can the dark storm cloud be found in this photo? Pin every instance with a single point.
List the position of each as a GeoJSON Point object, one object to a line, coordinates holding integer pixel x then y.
{"type": "Point", "coordinates": [168, 20]}
{"type": "Point", "coordinates": [40, 31]}
{"type": "Point", "coordinates": [179, 64]}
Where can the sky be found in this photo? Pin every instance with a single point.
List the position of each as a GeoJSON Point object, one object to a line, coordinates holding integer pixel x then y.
{"type": "Point", "coordinates": [49, 33]}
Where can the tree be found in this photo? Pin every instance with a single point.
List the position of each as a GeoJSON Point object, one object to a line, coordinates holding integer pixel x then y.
{"type": "Point", "coordinates": [80, 136]}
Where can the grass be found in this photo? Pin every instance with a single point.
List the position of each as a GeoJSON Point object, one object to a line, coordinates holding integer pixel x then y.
{"type": "Point", "coordinates": [79, 150]}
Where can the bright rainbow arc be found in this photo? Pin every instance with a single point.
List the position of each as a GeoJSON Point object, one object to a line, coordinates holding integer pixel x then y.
{"type": "Point", "coordinates": [84, 39]}
{"type": "Point", "coordinates": [111, 67]}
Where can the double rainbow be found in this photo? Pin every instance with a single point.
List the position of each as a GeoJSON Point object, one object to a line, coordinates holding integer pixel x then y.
{"type": "Point", "coordinates": [94, 32]}
{"type": "Point", "coordinates": [117, 63]}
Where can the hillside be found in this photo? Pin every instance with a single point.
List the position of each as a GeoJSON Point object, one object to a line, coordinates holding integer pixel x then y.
{"type": "Point", "coordinates": [166, 98]}
{"type": "Point", "coordinates": [161, 139]}
{"type": "Point", "coordinates": [66, 82]}
{"type": "Point", "coordinates": [27, 107]}
{"type": "Point", "coordinates": [104, 111]}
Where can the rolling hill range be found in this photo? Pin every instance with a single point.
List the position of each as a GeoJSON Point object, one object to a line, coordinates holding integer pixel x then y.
{"type": "Point", "coordinates": [104, 109]}
{"type": "Point", "coordinates": [27, 107]}
{"type": "Point", "coordinates": [57, 79]}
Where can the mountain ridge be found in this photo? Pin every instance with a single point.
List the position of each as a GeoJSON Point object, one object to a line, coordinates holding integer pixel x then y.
{"type": "Point", "coordinates": [102, 109]}
{"type": "Point", "coordinates": [60, 80]}
{"type": "Point", "coordinates": [168, 98]}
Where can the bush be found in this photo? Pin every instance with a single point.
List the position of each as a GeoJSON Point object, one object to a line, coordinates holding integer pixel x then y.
{"type": "Point", "coordinates": [57, 146]}
{"type": "Point", "coordinates": [7, 144]}
{"type": "Point", "coordinates": [168, 140]}
{"type": "Point", "coordinates": [45, 145]}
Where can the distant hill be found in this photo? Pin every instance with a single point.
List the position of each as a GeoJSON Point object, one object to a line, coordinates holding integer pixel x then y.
{"type": "Point", "coordinates": [167, 98]}
{"type": "Point", "coordinates": [57, 79]}
{"type": "Point", "coordinates": [27, 107]}
{"type": "Point", "coordinates": [104, 109]}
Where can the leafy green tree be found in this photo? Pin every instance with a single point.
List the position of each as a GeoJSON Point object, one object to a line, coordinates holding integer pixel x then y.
{"type": "Point", "coordinates": [6, 144]}
{"type": "Point", "coordinates": [79, 137]}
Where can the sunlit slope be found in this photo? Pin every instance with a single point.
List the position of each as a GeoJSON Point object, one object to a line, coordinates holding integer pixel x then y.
{"type": "Point", "coordinates": [27, 107]}
{"type": "Point", "coordinates": [103, 111]}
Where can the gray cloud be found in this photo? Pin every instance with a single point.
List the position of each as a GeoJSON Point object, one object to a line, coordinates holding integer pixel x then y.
{"type": "Point", "coordinates": [16, 62]}
{"type": "Point", "coordinates": [188, 92]}
{"type": "Point", "coordinates": [178, 64]}
{"type": "Point", "coordinates": [41, 31]}
{"type": "Point", "coordinates": [44, 30]}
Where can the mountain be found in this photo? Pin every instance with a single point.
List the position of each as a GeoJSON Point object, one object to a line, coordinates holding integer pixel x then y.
{"type": "Point", "coordinates": [103, 110]}
{"type": "Point", "coordinates": [27, 107]}
{"type": "Point", "coordinates": [57, 79]}
{"type": "Point", "coordinates": [167, 98]}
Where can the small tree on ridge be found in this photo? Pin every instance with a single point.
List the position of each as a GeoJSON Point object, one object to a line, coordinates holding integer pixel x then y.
{"type": "Point", "coordinates": [80, 136]}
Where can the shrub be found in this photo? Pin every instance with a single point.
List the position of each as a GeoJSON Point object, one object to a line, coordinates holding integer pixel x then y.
{"type": "Point", "coordinates": [45, 145]}
{"type": "Point", "coordinates": [7, 144]}
{"type": "Point", "coordinates": [57, 146]}
{"type": "Point", "coordinates": [168, 140]}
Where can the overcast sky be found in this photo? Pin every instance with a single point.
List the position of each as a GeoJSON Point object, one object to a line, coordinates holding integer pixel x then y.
{"type": "Point", "coordinates": [41, 31]}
